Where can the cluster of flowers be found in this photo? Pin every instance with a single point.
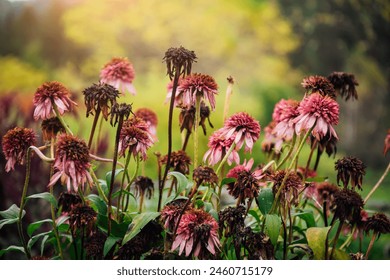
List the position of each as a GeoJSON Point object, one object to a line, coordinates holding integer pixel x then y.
{"type": "Point", "coordinates": [188, 227]}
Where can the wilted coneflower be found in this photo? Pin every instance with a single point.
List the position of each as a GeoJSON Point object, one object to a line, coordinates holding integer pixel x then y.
{"type": "Point", "coordinates": [350, 168]}
{"type": "Point", "coordinates": [171, 212]}
{"type": "Point", "coordinates": [318, 113]}
{"type": "Point", "coordinates": [67, 201]}
{"type": "Point", "coordinates": [120, 111]}
{"type": "Point", "coordinates": [347, 206]}
{"type": "Point", "coordinates": [72, 163]}
{"type": "Point", "coordinates": [179, 60]}
{"type": "Point", "coordinates": [244, 128]}
{"type": "Point", "coordinates": [180, 162]}
{"type": "Point", "coordinates": [119, 73]}
{"type": "Point", "coordinates": [94, 245]}
{"type": "Point", "coordinates": [144, 186]}
{"type": "Point", "coordinates": [345, 84]}
{"type": "Point", "coordinates": [82, 217]}
{"type": "Point", "coordinates": [247, 184]}
{"type": "Point", "coordinates": [100, 98]}
{"type": "Point", "coordinates": [15, 144]}
{"type": "Point", "coordinates": [47, 95]}
{"type": "Point", "coordinates": [320, 85]}
{"type": "Point", "coordinates": [197, 234]}
{"type": "Point", "coordinates": [378, 224]}
{"type": "Point", "coordinates": [386, 147]}
{"type": "Point", "coordinates": [285, 111]}
{"type": "Point", "coordinates": [135, 138]}
{"type": "Point", "coordinates": [205, 174]}
{"type": "Point", "coordinates": [218, 148]}
{"type": "Point", "coordinates": [231, 220]}
{"type": "Point", "coordinates": [196, 86]}
{"type": "Point", "coordinates": [150, 117]}
{"type": "Point", "coordinates": [257, 244]}
{"type": "Point", "coordinates": [187, 117]}
{"type": "Point", "coordinates": [51, 127]}
{"type": "Point", "coordinates": [290, 188]}
{"type": "Point", "coordinates": [326, 192]}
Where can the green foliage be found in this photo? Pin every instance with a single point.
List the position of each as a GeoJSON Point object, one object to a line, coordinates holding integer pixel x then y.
{"type": "Point", "coordinates": [316, 238]}
{"type": "Point", "coordinates": [272, 227]}
{"type": "Point", "coordinates": [11, 215]}
{"type": "Point", "coordinates": [138, 223]}
{"type": "Point", "coordinates": [265, 200]}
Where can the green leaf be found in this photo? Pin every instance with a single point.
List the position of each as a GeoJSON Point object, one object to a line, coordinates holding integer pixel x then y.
{"type": "Point", "coordinates": [11, 213]}
{"type": "Point", "coordinates": [254, 214]}
{"type": "Point", "coordinates": [110, 242]}
{"type": "Point", "coordinates": [316, 238]}
{"type": "Point", "coordinates": [182, 182]}
{"type": "Point", "coordinates": [35, 238]}
{"type": "Point", "coordinates": [44, 239]}
{"type": "Point", "coordinates": [46, 196]}
{"type": "Point", "coordinates": [108, 175]}
{"type": "Point", "coordinates": [11, 248]}
{"type": "Point", "coordinates": [339, 255]}
{"type": "Point", "coordinates": [265, 200]}
{"type": "Point", "coordinates": [308, 217]}
{"type": "Point", "coordinates": [61, 220]}
{"type": "Point", "coordinates": [138, 223]}
{"type": "Point", "coordinates": [99, 203]}
{"type": "Point", "coordinates": [214, 213]}
{"type": "Point", "coordinates": [272, 227]}
{"type": "Point", "coordinates": [34, 226]}
{"type": "Point", "coordinates": [317, 179]}
{"type": "Point", "coordinates": [226, 181]}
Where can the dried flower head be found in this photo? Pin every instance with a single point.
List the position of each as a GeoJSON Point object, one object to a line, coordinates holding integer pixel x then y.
{"type": "Point", "coordinates": [231, 220]}
{"type": "Point", "coordinates": [187, 117]}
{"type": "Point", "coordinates": [119, 72]}
{"type": "Point", "coordinates": [219, 145]}
{"type": "Point", "coordinates": [67, 201]}
{"type": "Point", "coordinates": [257, 244]}
{"type": "Point", "coordinates": [290, 188]}
{"type": "Point", "coordinates": [51, 127]}
{"type": "Point", "coordinates": [15, 144]}
{"type": "Point", "coordinates": [326, 191]}
{"type": "Point", "coordinates": [205, 174]}
{"type": "Point", "coordinates": [135, 138]}
{"type": "Point", "coordinates": [72, 163]}
{"type": "Point", "coordinates": [82, 217]}
{"type": "Point", "coordinates": [119, 111]}
{"type": "Point", "coordinates": [350, 168]}
{"type": "Point", "coordinates": [179, 60]}
{"type": "Point", "coordinates": [144, 185]}
{"type": "Point", "coordinates": [179, 162]}
{"type": "Point", "coordinates": [51, 94]}
{"type": "Point", "coordinates": [150, 117]}
{"type": "Point", "coordinates": [195, 86]}
{"type": "Point", "coordinates": [378, 223]}
{"type": "Point", "coordinates": [171, 212]}
{"type": "Point", "coordinates": [345, 84]}
{"type": "Point", "coordinates": [244, 128]}
{"type": "Point", "coordinates": [197, 234]}
{"type": "Point", "coordinates": [318, 113]}
{"type": "Point", "coordinates": [319, 84]}
{"type": "Point", "coordinates": [347, 206]}
{"type": "Point", "coordinates": [100, 97]}
{"type": "Point", "coordinates": [94, 246]}
{"type": "Point", "coordinates": [386, 147]}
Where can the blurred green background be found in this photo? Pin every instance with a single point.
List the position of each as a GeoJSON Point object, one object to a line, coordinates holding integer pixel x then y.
{"type": "Point", "coordinates": [267, 46]}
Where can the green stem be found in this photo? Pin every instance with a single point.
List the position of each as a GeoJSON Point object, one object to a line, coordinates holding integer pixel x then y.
{"type": "Point", "coordinates": [67, 129]}
{"type": "Point", "coordinates": [52, 209]}
{"type": "Point", "coordinates": [225, 157]}
{"type": "Point", "coordinates": [370, 245]}
{"type": "Point", "coordinates": [125, 174]}
{"type": "Point", "coordinates": [336, 238]}
{"type": "Point", "coordinates": [95, 120]}
{"type": "Point", "coordinates": [196, 130]}
{"type": "Point", "coordinates": [98, 187]}
{"type": "Point", "coordinates": [289, 152]}
{"type": "Point", "coordinates": [22, 203]}
{"type": "Point", "coordinates": [131, 182]}
{"type": "Point", "coordinates": [378, 183]}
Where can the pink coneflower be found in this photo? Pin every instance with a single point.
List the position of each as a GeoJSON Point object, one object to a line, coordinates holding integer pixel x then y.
{"type": "Point", "coordinates": [271, 143]}
{"type": "Point", "coordinates": [197, 234]}
{"type": "Point", "coordinates": [319, 113]}
{"type": "Point", "coordinates": [218, 147]}
{"type": "Point", "coordinates": [135, 138]}
{"type": "Point", "coordinates": [150, 117]}
{"type": "Point", "coordinates": [15, 144]}
{"type": "Point", "coordinates": [171, 212]}
{"type": "Point", "coordinates": [285, 112]}
{"type": "Point", "coordinates": [197, 85]}
{"type": "Point", "coordinates": [48, 94]}
{"type": "Point", "coordinates": [119, 73]}
{"type": "Point", "coordinates": [71, 163]}
{"type": "Point", "coordinates": [244, 128]}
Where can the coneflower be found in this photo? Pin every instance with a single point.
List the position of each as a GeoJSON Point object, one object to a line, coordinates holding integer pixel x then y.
{"type": "Point", "coordinates": [119, 72]}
